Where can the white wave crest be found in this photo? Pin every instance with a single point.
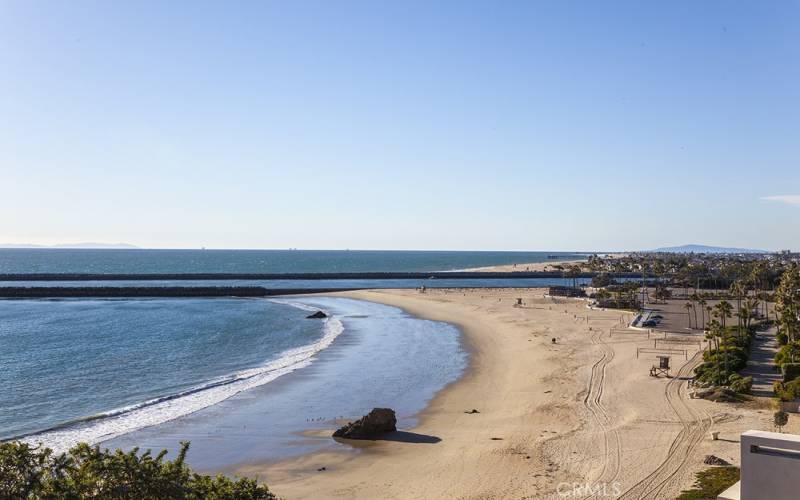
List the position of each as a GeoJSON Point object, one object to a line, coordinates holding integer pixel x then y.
{"type": "Point", "coordinates": [121, 421]}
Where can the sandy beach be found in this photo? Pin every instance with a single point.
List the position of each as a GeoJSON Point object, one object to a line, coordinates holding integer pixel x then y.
{"type": "Point", "coordinates": [550, 265]}
{"type": "Point", "coordinates": [527, 267]}
{"type": "Point", "coordinates": [552, 417]}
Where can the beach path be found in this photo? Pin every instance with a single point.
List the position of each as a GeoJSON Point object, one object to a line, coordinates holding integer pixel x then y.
{"type": "Point", "coordinates": [761, 365]}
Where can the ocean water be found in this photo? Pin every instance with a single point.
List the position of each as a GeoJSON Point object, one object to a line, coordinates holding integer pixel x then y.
{"type": "Point", "coordinates": [83, 367]}
{"type": "Point", "coordinates": [382, 358]}
{"type": "Point", "coordinates": [328, 283]}
{"type": "Point", "coordinates": [255, 261]}
{"type": "Point", "coordinates": [152, 372]}
{"type": "Point", "coordinates": [242, 379]}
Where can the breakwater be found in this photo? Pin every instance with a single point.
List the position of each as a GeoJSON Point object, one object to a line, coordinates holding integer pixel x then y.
{"type": "Point", "coordinates": [166, 291]}
{"type": "Point", "coordinates": [300, 276]}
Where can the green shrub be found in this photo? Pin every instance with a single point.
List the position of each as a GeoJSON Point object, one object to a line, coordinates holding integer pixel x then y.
{"type": "Point", "coordinates": [780, 418]}
{"type": "Point", "coordinates": [790, 371]}
{"type": "Point", "coordinates": [87, 472]}
{"type": "Point", "coordinates": [737, 357]}
{"type": "Point", "coordinates": [710, 483]}
{"type": "Point", "coordinates": [790, 353]}
{"type": "Point", "coordinates": [787, 391]}
{"type": "Point", "coordinates": [740, 384]}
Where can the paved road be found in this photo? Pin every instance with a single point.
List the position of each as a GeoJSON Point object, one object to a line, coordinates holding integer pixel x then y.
{"type": "Point", "coordinates": [761, 365]}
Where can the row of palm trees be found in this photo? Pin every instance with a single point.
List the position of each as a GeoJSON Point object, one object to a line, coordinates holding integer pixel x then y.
{"type": "Point", "coordinates": [721, 311]}
{"type": "Point", "coordinates": [625, 294]}
{"type": "Point", "coordinates": [787, 304]}
{"type": "Point", "coordinates": [749, 303]}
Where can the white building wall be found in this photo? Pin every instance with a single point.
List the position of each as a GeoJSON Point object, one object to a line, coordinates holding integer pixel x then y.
{"type": "Point", "coordinates": [770, 466]}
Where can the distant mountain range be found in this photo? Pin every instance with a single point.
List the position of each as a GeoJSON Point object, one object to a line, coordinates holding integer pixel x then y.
{"type": "Point", "coordinates": [72, 245]}
{"type": "Point", "coordinates": [705, 249]}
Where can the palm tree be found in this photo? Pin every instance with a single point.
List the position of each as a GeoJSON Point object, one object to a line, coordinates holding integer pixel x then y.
{"type": "Point", "coordinates": [759, 276]}
{"type": "Point", "coordinates": [723, 311]}
{"type": "Point", "coordinates": [694, 298]}
{"type": "Point", "coordinates": [688, 307]}
{"type": "Point", "coordinates": [714, 334]}
{"type": "Point", "coordinates": [573, 272]}
{"type": "Point", "coordinates": [738, 290]}
{"type": "Point", "coordinates": [659, 270]}
{"type": "Point", "coordinates": [702, 303]}
{"type": "Point", "coordinates": [750, 305]}
{"type": "Point", "coordinates": [743, 316]}
{"type": "Point", "coordinates": [787, 304]}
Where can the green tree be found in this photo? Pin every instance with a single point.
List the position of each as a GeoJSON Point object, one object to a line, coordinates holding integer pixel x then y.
{"type": "Point", "coordinates": [723, 311]}
{"type": "Point", "coordinates": [702, 303]}
{"type": "Point", "coordinates": [715, 335]}
{"type": "Point", "coordinates": [780, 418]}
{"type": "Point", "coordinates": [574, 271]}
{"type": "Point", "coordinates": [751, 309]}
{"type": "Point", "coordinates": [85, 471]}
{"type": "Point", "coordinates": [694, 299]}
{"type": "Point", "coordinates": [787, 302]}
{"type": "Point", "coordinates": [738, 290]}
{"type": "Point", "coordinates": [662, 293]}
{"type": "Point", "coordinates": [790, 353]}
{"type": "Point", "coordinates": [688, 306]}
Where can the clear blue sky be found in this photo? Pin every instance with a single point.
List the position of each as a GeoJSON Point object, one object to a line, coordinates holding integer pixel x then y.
{"type": "Point", "coordinates": [432, 125]}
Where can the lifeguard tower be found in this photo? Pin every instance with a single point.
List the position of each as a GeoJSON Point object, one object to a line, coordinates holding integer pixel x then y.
{"type": "Point", "coordinates": [662, 368]}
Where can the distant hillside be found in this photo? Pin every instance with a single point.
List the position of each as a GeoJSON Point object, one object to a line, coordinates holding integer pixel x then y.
{"type": "Point", "coordinates": [705, 249]}
{"type": "Point", "coordinates": [72, 245]}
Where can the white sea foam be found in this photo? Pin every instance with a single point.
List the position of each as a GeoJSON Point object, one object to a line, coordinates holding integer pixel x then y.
{"type": "Point", "coordinates": [121, 421]}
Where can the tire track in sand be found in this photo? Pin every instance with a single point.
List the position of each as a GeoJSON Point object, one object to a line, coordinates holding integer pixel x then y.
{"type": "Point", "coordinates": [593, 401]}
{"type": "Point", "coordinates": [694, 424]}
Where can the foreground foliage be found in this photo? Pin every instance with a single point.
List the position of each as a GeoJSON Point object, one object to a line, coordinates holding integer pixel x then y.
{"type": "Point", "coordinates": [710, 483]}
{"type": "Point", "coordinates": [28, 472]}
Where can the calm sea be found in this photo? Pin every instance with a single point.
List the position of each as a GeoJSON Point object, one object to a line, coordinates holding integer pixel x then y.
{"type": "Point", "coordinates": [255, 261]}
{"type": "Point", "coordinates": [149, 371]}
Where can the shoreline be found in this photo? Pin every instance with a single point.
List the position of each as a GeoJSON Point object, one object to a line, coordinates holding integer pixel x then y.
{"type": "Point", "coordinates": [356, 447]}
{"type": "Point", "coordinates": [284, 418]}
{"type": "Point", "coordinates": [581, 411]}
{"type": "Point", "coordinates": [445, 417]}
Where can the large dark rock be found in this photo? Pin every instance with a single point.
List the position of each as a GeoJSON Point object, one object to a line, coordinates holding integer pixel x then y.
{"type": "Point", "coordinates": [317, 315]}
{"type": "Point", "coordinates": [379, 421]}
